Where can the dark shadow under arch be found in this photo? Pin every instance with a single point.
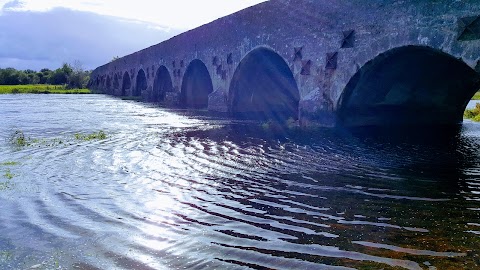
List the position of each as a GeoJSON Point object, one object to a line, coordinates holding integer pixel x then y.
{"type": "Point", "coordinates": [263, 87]}
{"type": "Point", "coordinates": [141, 84]}
{"type": "Point", "coordinates": [412, 85]}
{"type": "Point", "coordinates": [162, 84]}
{"type": "Point", "coordinates": [126, 84]}
{"type": "Point", "coordinates": [196, 86]}
{"type": "Point", "coordinates": [115, 84]}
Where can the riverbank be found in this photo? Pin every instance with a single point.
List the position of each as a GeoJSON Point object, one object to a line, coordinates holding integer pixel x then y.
{"type": "Point", "coordinates": [40, 89]}
{"type": "Point", "coordinates": [473, 114]}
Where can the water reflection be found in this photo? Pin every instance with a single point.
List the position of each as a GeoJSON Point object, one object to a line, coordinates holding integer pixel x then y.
{"type": "Point", "coordinates": [173, 189]}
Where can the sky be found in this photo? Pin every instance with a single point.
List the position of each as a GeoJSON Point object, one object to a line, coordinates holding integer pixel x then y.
{"type": "Point", "coordinates": [36, 34]}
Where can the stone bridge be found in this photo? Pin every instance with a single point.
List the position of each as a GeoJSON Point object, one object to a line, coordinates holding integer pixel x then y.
{"type": "Point", "coordinates": [323, 62]}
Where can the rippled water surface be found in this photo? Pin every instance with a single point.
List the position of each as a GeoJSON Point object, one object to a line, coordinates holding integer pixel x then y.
{"type": "Point", "coordinates": [175, 190]}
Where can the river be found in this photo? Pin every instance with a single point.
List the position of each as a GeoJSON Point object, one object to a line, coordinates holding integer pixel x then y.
{"type": "Point", "coordinates": [170, 189]}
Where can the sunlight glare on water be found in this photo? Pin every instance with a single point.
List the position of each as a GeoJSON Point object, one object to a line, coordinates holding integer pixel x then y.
{"type": "Point", "coordinates": [172, 189]}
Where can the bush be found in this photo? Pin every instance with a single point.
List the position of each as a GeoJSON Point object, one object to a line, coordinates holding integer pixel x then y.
{"type": "Point", "coordinates": [473, 114]}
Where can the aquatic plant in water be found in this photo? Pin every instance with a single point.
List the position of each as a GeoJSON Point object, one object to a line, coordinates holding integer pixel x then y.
{"type": "Point", "coordinates": [7, 184]}
{"type": "Point", "coordinates": [9, 163]}
{"type": "Point", "coordinates": [8, 174]}
{"type": "Point", "coordinates": [92, 136]}
{"type": "Point", "coordinates": [6, 255]}
{"type": "Point", "coordinates": [18, 139]}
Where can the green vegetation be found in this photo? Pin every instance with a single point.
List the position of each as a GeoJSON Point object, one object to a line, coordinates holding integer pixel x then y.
{"type": "Point", "coordinates": [473, 114]}
{"type": "Point", "coordinates": [19, 140]}
{"type": "Point", "coordinates": [5, 255]}
{"type": "Point", "coordinates": [7, 185]}
{"type": "Point", "coordinates": [69, 76]}
{"type": "Point", "coordinates": [9, 163]}
{"type": "Point", "coordinates": [40, 89]}
{"type": "Point", "coordinates": [8, 174]}
{"type": "Point", "coordinates": [92, 136]}
{"type": "Point", "coordinates": [476, 96]}
{"type": "Point", "coordinates": [115, 58]}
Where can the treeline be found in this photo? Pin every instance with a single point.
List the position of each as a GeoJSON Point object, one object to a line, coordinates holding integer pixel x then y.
{"type": "Point", "coordinates": [73, 76]}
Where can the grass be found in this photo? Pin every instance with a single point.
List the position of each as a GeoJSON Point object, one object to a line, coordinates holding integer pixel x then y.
{"type": "Point", "coordinates": [40, 89]}
{"type": "Point", "coordinates": [473, 114]}
{"type": "Point", "coordinates": [476, 96]}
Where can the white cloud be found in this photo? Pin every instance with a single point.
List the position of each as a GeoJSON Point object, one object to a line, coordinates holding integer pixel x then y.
{"type": "Point", "coordinates": [179, 14]}
{"type": "Point", "coordinates": [36, 39]}
{"type": "Point", "coordinates": [45, 33]}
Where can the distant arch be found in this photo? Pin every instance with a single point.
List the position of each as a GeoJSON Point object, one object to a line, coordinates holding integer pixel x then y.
{"type": "Point", "coordinates": [126, 84]}
{"type": "Point", "coordinates": [141, 84]}
{"type": "Point", "coordinates": [407, 86]}
{"type": "Point", "coordinates": [263, 86]}
{"type": "Point", "coordinates": [196, 86]}
{"type": "Point", "coordinates": [162, 84]}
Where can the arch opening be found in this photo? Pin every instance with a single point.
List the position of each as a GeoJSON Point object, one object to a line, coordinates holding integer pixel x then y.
{"type": "Point", "coordinates": [162, 84]}
{"type": "Point", "coordinates": [412, 85]}
{"type": "Point", "coordinates": [141, 84]}
{"type": "Point", "coordinates": [196, 86]}
{"type": "Point", "coordinates": [126, 84]}
{"type": "Point", "coordinates": [263, 87]}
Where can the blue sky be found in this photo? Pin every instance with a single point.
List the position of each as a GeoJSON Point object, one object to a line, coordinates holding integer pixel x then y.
{"type": "Point", "coordinates": [46, 33]}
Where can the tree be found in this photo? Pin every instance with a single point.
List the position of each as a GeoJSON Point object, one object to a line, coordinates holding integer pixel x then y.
{"type": "Point", "coordinates": [44, 75]}
{"type": "Point", "coordinates": [73, 75]}
{"type": "Point", "coordinates": [79, 77]}
{"type": "Point", "coordinates": [9, 76]}
{"type": "Point", "coordinates": [61, 75]}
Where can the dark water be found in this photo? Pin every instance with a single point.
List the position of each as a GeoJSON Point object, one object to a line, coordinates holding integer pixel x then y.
{"type": "Point", "coordinates": [175, 190]}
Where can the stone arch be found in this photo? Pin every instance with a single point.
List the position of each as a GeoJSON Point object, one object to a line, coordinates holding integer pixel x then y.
{"type": "Point", "coordinates": [408, 85]}
{"type": "Point", "coordinates": [196, 86]}
{"type": "Point", "coordinates": [141, 84]}
{"type": "Point", "coordinates": [263, 86]}
{"type": "Point", "coordinates": [162, 84]}
{"type": "Point", "coordinates": [126, 84]}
